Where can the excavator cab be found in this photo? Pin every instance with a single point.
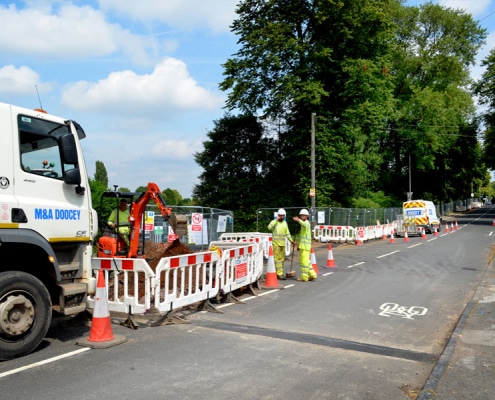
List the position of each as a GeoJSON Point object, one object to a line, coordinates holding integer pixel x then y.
{"type": "Point", "coordinates": [112, 243]}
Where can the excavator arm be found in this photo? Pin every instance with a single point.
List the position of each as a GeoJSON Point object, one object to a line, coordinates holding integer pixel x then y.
{"type": "Point", "coordinates": [138, 207]}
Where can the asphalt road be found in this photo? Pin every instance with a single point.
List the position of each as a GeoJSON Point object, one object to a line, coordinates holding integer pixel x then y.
{"type": "Point", "coordinates": [372, 328]}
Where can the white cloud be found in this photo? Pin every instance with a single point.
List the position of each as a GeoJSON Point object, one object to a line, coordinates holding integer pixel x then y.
{"type": "Point", "coordinates": [474, 7]}
{"type": "Point", "coordinates": [73, 32]}
{"type": "Point", "coordinates": [216, 15]}
{"type": "Point", "coordinates": [164, 91]}
{"type": "Point", "coordinates": [21, 81]}
{"type": "Point", "coordinates": [176, 149]}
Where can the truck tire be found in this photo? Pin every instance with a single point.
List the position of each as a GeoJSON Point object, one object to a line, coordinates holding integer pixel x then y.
{"type": "Point", "coordinates": [25, 313]}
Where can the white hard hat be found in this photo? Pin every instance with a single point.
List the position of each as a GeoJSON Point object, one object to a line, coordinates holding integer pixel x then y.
{"type": "Point", "coordinates": [304, 212]}
{"type": "Point", "coordinates": [281, 211]}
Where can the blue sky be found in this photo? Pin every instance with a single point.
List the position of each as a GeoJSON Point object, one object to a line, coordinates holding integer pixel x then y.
{"type": "Point", "coordinates": [141, 77]}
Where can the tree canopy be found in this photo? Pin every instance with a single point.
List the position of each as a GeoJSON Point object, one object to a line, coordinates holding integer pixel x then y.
{"type": "Point", "coordinates": [390, 86]}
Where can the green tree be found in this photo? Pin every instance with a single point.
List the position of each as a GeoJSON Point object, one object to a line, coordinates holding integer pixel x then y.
{"type": "Point", "coordinates": [299, 57]}
{"type": "Point", "coordinates": [434, 49]}
{"type": "Point", "coordinates": [387, 82]}
{"type": "Point", "coordinates": [101, 174]}
{"type": "Point", "coordinates": [172, 196]}
{"type": "Point", "coordinates": [485, 89]}
{"type": "Point", "coordinates": [236, 160]}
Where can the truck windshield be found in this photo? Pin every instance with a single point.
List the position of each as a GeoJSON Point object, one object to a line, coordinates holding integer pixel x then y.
{"type": "Point", "coordinates": [40, 153]}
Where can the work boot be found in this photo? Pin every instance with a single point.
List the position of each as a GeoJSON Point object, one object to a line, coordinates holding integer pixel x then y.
{"type": "Point", "coordinates": [301, 280]}
{"type": "Point", "coordinates": [281, 277]}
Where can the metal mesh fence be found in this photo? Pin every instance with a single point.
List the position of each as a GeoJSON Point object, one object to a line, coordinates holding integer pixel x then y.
{"type": "Point", "coordinates": [205, 225]}
{"type": "Point", "coordinates": [355, 217]}
{"type": "Point", "coordinates": [331, 216]}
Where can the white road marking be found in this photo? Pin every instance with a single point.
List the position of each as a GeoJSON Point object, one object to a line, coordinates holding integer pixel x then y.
{"type": "Point", "coordinates": [355, 265]}
{"type": "Point", "coordinates": [43, 362]}
{"type": "Point", "coordinates": [388, 254]}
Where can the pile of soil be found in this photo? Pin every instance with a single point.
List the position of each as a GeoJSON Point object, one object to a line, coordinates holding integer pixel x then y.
{"type": "Point", "coordinates": [156, 251]}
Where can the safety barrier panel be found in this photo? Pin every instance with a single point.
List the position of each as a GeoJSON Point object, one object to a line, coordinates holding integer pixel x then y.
{"type": "Point", "coordinates": [187, 279]}
{"type": "Point", "coordinates": [242, 264]}
{"type": "Point", "coordinates": [341, 234]}
{"type": "Point", "coordinates": [373, 232]}
{"type": "Point", "coordinates": [128, 283]}
{"type": "Point", "coordinates": [330, 233]}
{"type": "Point", "coordinates": [361, 234]}
{"type": "Point", "coordinates": [253, 237]}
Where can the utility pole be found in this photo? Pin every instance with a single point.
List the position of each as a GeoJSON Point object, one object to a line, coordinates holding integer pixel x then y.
{"type": "Point", "coordinates": [409, 194]}
{"type": "Point", "coordinates": [312, 191]}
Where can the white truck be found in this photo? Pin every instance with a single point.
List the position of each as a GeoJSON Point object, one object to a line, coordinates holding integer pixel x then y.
{"type": "Point", "coordinates": [47, 225]}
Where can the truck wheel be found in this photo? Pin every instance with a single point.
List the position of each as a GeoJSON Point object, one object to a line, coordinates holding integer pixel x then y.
{"type": "Point", "coordinates": [25, 313]}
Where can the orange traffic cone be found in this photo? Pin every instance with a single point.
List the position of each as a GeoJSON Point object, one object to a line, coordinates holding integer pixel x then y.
{"type": "Point", "coordinates": [358, 242]}
{"type": "Point", "coordinates": [423, 234]}
{"type": "Point", "coordinates": [392, 239]}
{"type": "Point", "coordinates": [406, 237]}
{"type": "Point", "coordinates": [435, 231]}
{"type": "Point", "coordinates": [384, 235]}
{"type": "Point", "coordinates": [446, 227]}
{"type": "Point", "coordinates": [493, 223]}
{"type": "Point", "coordinates": [330, 260]}
{"type": "Point", "coordinates": [452, 227]}
{"type": "Point", "coordinates": [271, 280]}
{"type": "Point", "coordinates": [101, 335]}
{"type": "Point", "coordinates": [456, 226]}
{"type": "Point", "coordinates": [313, 261]}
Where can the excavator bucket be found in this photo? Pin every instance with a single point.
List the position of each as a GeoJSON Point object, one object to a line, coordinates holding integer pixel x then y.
{"type": "Point", "coordinates": [178, 224]}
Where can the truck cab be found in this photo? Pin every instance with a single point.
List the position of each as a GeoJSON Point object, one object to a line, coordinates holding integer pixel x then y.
{"type": "Point", "coordinates": [47, 225]}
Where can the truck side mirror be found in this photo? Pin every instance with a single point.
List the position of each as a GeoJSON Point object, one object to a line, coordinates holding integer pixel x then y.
{"type": "Point", "coordinates": [68, 150]}
{"type": "Point", "coordinates": [72, 177]}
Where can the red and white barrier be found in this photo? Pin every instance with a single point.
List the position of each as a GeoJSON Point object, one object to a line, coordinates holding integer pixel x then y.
{"type": "Point", "coordinates": [187, 279]}
{"type": "Point", "coordinates": [331, 233]}
{"type": "Point", "coordinates": [122, 277]}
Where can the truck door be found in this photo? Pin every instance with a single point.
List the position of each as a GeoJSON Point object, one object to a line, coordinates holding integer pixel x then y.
{"type": "Point", "coordinates": [53, 208]}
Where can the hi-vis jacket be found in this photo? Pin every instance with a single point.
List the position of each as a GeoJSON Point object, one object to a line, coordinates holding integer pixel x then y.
{"type": "Point", "coordinates": [305, 235]}
{"type": "Point", "coordinates": [280, 231]}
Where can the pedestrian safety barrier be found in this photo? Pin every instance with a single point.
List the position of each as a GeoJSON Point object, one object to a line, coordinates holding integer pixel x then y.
{"type": "Point", "coordinates": [254, 237]}
{"type": "Point", "coordinates": [179, 281]}
{"type": "Point", "coordinates": [184, 280]}
{"type": "Point", "coordinates": [242, 264]}
{"type": "Point", "coordinates": [330, 233]}
{"type": "Point", "coordinates": [128, 282]}
{"type": "Point", "coordinates": [347, 234]}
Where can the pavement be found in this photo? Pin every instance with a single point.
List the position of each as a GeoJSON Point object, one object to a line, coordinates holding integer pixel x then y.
{"type": "Point", "coordinates": [466, 368]}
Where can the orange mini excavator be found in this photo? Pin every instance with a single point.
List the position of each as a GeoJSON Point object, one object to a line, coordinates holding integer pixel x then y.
{"type": "Point", "coordinates": [113, 245]}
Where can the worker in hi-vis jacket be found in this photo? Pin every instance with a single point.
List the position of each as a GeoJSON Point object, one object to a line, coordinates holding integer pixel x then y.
{"type": "Point", "coordinates": [307, 271]}
{"type": "Point", "coordinates": [280, 232]}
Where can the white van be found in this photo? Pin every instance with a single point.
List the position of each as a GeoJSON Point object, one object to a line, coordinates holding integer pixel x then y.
{"type": "Point", "coordinates": [421, 214]}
